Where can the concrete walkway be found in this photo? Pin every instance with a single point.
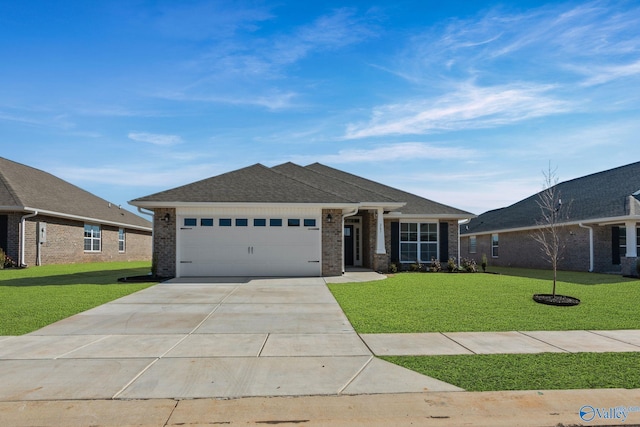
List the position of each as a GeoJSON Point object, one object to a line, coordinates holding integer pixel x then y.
{"type": "Point", "coordinates": [220, 338]}
{"type": "Point", "coordinates": [139, 361]}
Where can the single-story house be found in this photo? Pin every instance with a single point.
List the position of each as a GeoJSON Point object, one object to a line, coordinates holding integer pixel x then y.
{"type": "Point", "coordinates": [601, 230]}
{"type": "Point", "coordinates": [46, 220]}
{"type": "Point", "coordinates": [290, 220]}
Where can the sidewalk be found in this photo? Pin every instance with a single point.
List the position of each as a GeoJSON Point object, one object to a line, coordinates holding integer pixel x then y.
{"type": "Point", "coordinates": [440, 409]}
{"type": "Point", "coordinates": [432, 344]}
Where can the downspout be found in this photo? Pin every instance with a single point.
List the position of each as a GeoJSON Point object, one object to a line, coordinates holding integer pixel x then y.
{"type": "Point", "coordinates": [345, 215]}
{"type": "Point", "coordinates": [590, 245]}
{"type": "Point", "coordinates": [21, 262]}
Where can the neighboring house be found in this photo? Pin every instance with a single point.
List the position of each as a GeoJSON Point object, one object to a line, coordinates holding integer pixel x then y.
{"type": "Point", "coordinates": [295, 221]}
{"type": "Point", "coordinates": [45, 220]}
{"type": "Point", "coordinates": [602, 229]}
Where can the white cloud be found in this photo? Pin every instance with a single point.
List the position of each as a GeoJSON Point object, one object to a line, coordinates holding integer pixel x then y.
{"type": "Point", "coordinates": [468, 107]}
{"type": "Point", "coordinates": [155, 139]}
{"type": "Point", "coordinates": [600, 75]}
{"type": "Point", "coordinates": [386, 153]}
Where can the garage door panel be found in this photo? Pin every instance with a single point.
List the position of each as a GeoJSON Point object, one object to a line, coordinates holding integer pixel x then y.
{"type": "Point", "coordinates": [249, 251]}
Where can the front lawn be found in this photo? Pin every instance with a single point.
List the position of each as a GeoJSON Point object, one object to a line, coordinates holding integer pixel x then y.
{"type": "Point", "coordinates": [34, 297]}
{"type": "Point", "coordinates": [445, 302]}
{"type": "Point", "coordinates": [545, 371]}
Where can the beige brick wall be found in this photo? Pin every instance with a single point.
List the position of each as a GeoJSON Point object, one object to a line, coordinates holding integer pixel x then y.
{"type": "Point", "coordinates": [65, 242]}
{"type": "Point", "coordinates": [332, 243]}
{"type": "Point", "coordinates": [164, 242]}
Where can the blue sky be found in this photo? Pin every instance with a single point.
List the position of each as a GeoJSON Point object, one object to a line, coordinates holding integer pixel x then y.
{"type": "Point", "coordinates": [462, 102]}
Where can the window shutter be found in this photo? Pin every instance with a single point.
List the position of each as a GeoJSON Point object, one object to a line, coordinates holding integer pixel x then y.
{"type": "Point", "coordinates": [395, 242]}
{"type": "Point", "coordinates": [615, 245]}
{"type": "Point", "coordinates": [444, 241]}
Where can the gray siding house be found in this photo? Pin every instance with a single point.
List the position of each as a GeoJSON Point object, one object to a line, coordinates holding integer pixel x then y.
{"type": "Point", "coordinates": [290, 220]}
{"type": "Point", "coordinates": [602, 232]}
{"type": "Point", "coordinates": [46, 220]}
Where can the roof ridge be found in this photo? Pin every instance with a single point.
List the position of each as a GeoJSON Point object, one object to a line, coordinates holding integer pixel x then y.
{"type": "Point", "coordinates": [356, 185]}
{"type": "Point", "coordinates": [318, 187]}
{"type": "Point", "coordinates": [307, 184]}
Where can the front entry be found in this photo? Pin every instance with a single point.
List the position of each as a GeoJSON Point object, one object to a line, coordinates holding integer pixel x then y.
{"type": "Point", "coordinates": [348, 245]}
{"type": "Point", "coordinates": [352, 242]}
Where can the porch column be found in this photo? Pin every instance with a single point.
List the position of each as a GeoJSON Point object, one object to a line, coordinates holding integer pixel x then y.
{"type": "Point", "coordinates": [632, 248]}
{"type": "Point", "coordinates": [380, 248]}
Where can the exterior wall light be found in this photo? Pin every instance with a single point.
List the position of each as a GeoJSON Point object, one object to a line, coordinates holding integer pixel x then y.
{"type": "Point", "coordinates": [166, 218]}
{"type": "Point", "coordinates": [329, 218]}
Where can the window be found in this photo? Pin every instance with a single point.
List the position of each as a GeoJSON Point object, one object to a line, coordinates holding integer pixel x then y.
{"type": "Point", "coordinates": [275, 222]}
{"type": "Point", "coordinates": [206, 222]}
{"type": "Point", "coordinates": [293, 222]}
{"type": "Point", "coordinates": [224, 222]}
{"type": "Point", "coordinates": [472, 244]}
{"type": "Point", "coordinates": [418, 242]}
{"type": "Point", "coordinates": [190, 222]}
{"type": "Point", "coordinates": [121, 240]}
{"type": "Point", "coordinates": [494, 245]}
{"type": "Point", "coordinates": [309, 222]}
{"type": "Point", "coordinates": [242, 222]}
{"type": "Point", "coordinates": [259, 222]}
{"type": "Point", "coordinates": [623, 240]}
{"type": "Point", "coordinates": [92, 238]}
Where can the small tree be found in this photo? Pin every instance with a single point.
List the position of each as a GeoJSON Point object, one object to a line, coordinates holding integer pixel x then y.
{"type": "Point", "coordinates": [549, 231]}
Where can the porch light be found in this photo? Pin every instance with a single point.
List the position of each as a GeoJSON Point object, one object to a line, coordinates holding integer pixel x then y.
{"type": "Point", "coordinates": [166, 218]}
{"type": "Point", "coordinates": [329, 218]}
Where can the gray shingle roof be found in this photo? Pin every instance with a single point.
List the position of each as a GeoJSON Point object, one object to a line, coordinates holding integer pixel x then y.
{"type": "Point", "coordinates": [290, 183]}
{"type": "Point", "coordinates": [415, 205]}
{"type": "Point", "coordinates": [22, 186]}
{"type": "Point", "coordinates": [597, 196]}
{"type": "Point", "coordinates": [253, 184]}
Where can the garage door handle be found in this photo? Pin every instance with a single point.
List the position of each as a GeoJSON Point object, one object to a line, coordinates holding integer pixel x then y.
{"type": "Point", "coordinates": [250, 250]}
{"type": "Point", "coordinates": [314, 261]}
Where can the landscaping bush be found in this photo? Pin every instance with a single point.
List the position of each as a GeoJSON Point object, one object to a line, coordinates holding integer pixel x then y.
{"type": "Point", "coordinates": [451, 265]}
{"type": "Point", "coordinates": [435, 266]}
{"type": "Point", "coordinates": [469, 265]}
{"type": "Point", "coordinates": [3, 258]}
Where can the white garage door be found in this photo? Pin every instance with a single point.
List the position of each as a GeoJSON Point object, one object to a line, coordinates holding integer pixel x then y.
{"type": "Point", "coordinates": [248, 246]}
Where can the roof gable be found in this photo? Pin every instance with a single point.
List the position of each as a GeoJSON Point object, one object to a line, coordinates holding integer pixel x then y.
{"type": "Point", "coordinates": [22, 187]}
{"type": "Point", "coordinates": [600, 195]}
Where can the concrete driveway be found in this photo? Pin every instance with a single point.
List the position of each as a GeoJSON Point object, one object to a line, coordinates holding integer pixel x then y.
{"type": "Point", "coordinates": [199, 338]}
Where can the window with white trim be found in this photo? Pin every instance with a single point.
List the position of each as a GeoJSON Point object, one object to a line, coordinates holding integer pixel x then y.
{"type": "Point", "coordinates": [495, 240]}
{"type": "Point", "coordinates": [418, 241]}
{"type": "Point", "coordinates": [121, 240]}
{"type": "Point", "coordinates": [473, 244]}
{"type": "Point", "coordinates": [92, 238]}
{"type": "Point", "coordinates": [623, 240]}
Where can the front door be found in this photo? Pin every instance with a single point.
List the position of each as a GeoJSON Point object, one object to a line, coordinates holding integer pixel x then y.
{"type": "Point", "coordinates": [348, 245]}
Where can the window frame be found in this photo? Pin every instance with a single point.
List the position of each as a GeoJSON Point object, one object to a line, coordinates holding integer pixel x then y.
{"type": "Point", "coordinates": [93, 238]}
{"type": "Point", "coordinates": [495, 245]}
{"type": "Point", "coordinates": [413, 239]}
{"type": "Point", "coordinates": [473, 244]}
{"type": "Point", "coordinates": [122, 240]}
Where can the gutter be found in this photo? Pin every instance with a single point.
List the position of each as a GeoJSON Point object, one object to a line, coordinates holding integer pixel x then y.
{"type": "Point", "coordinates": [591, 258]}
{"type": "Point", "coordinates": [21, 262]}
{"type": "Point", "coordinates": [86, 219]}
{"type": "Point", "coordinates": [463, 222]}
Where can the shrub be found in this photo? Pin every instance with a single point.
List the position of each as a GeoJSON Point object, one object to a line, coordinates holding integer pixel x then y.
{"type": "Point", "coordinates": [451, 265]}
{"type": "Point", "coordinates": [3, 258]}
{"type": "Point", "coordinates": [469, 265]}
{"type": "Point", "coordinates": [416, 266]}
{"type": "Point", "coordinates": [393, 268]}
{"type": "Point", "coordinates": [484, 263]}
{"type": "Point", "coordinates": [435, 265]}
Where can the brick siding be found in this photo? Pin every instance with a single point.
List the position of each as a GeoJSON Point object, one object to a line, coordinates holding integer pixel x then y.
{"type": "Point", "coordinates": [65, 242]}
{"type": "Point", "coordinates": [519, 249]}
{"type": "Point", "coordinates": [332, 243]}
{"type": "Point", "coordinates": [164, 241]}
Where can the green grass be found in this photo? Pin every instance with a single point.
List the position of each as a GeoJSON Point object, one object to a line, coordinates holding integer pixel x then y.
{"type": "Point", "coordinates": [545, 371]}
{"type": "Point", "coordinates": [443, 302]}
{"type": "Point", "coordinates": [34, 297]}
